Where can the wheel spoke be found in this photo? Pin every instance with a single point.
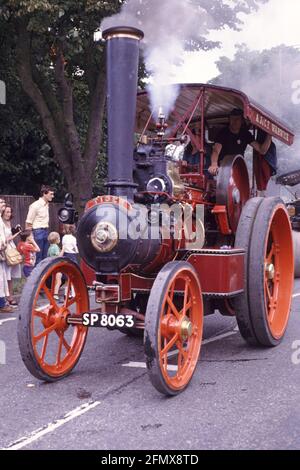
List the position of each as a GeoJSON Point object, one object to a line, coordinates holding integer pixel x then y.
{"type": "Point", "coordinates": [170, 296]}
{"type": "Point", "coordinates": [64, 341]}
{"type": "Point", "coordinates": [273, 303]}
{"type": "Point", "coordinates": [186, 290]}
{"type": "Point", "coordinates": [44, 348]}
{"type": "Point", "coordinates": [271, 254]}
{"type": "Point", "coordinates": [40, 314]}
{"type": "Point", "coordinates": [181, 350]}
{"type": "Point", "coordinates": [71, 301]}
{"type": "Point", "coordinates": [173, 308]}
{"type": "Point", "coordinates": [60, 344]}
{"type": "Point", "coordinates": [179, 360]}
{"type": "Point", "coordinates": [269, 295]}
{"type": "Point", "coordinates": [164, 358]}
{"type": "Point", "coordinates": [271, 314]}
{"type": "Point", "coordinates": [270, 302]}
{"type": "Point", "coordinates": [185, 309]}
{"type": "Point", "coordinates": [169, 345]}
{"type": "Point", "coordinates": [48, 330]}
{"type": "Point", "coordinates": [50, 297]}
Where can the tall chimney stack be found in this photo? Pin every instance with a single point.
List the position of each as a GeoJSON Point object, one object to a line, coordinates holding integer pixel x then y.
{"type": "Point", "coordinates": [122, 51]}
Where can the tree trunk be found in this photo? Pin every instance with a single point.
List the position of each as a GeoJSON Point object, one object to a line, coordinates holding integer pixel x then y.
{"type": "Point", "coordinates": [78, 165]}
{"type": "Point", "coordinates": [81, 188]}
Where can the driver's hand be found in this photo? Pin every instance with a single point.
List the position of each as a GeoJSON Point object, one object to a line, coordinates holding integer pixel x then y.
{"type": "Point", "coordinates": [213, 170]}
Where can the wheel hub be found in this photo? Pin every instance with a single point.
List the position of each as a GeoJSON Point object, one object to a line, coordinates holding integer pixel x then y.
{"type": "Point", "coordinates": [236, 196]}
{"type": "Point", "coordinates": [270, 271]}
{"type": "Point", "coordinates": [186, 329]}
{"type": "Point", "coordinates": [61, 318]}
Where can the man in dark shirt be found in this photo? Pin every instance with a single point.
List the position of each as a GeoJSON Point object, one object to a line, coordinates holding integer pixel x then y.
{"type": "Point", "coordinates": [234, 140]}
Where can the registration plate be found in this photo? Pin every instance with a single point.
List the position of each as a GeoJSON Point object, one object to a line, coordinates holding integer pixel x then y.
{"type": "Point", "coordinates": [107, 320]}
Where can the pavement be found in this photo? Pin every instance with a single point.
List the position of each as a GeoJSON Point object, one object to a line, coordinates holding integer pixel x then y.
{"type": "Point", "coordinates": [240, 397]}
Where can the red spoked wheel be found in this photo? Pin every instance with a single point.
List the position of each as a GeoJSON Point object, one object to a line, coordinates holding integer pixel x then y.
{"type": "Point", "coordinates": [49, 346]}
{"type": "Point", "coordinates": [233, 187]}
{"type": "Point", "coordinates": [264, 308]}
{"type": "Point", "coordinates": [173, 327]}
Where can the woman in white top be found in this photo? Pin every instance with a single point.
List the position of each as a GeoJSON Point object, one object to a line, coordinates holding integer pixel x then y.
{"type": "Point", "coordinates": [12, 272]}
{"type": "Point", "coordinates": [3, 281]}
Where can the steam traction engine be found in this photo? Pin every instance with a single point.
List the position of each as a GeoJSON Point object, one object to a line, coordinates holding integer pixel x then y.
{"type": "Point", "coordinates": [167, 244]}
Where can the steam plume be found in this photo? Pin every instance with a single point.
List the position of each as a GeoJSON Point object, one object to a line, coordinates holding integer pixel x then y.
{"type": "Point", "coordinates": [168, 25]}
{"type": "Point", "coordinates": [271, 78]}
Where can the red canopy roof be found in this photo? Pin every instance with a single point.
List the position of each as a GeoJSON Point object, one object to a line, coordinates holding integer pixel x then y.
{"type": "Point", "coordinates": [218, 102]}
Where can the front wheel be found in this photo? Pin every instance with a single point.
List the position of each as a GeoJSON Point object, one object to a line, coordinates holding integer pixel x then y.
{"type": "Point", "coordinates": [49, 346]}
{"type": "Point", "coordinates": [173, 327]}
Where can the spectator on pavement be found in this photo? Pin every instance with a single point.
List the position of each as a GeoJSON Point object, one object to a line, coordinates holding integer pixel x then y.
{"type": "Point", "coordinates": [12, 272]}
{"type": "Point", "coordinates": [70, 249]}
{"type": "Point", "coordinates": [38, 221]}
{"type": "Point", "coordinates": [28, 248]}
{"type": "Point", "coordinates": [53, 252]}
{"type": "Point", "coordinates": [69, 243]}
{"type": "Point", "coordinates": [54, 241]}
{"type": "Point", "coordinates": [3, 281]}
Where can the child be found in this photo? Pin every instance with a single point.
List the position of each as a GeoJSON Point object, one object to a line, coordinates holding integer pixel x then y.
{"type": "Point", "coordinates": [69, 248]}
{"type": "Point", "coordinates": [53, 252]}
{"type": "Point", "coordinates": [69, 243]}
{"type": "Point", "coordinates": [54, 241]}
{"type": "Point", "coordinates": [28, 249]}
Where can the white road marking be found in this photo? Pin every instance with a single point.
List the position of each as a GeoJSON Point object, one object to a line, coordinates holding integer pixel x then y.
{"type": "Point", "coordinates": [142, 365]}
{"type": "Point", "coordinates": [216, 338]}
{"type": "Point", "coordinates": [6, 320]}
{"type": "Point", "coordinates": [35, 435]}
{"type": "Point", "coordinates": [296, 295]}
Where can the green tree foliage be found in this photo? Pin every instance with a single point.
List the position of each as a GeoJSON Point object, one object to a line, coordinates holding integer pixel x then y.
{"type": "Point", "coordinates": [48, 51]}
{"type": "Point", "coordinates": [26, 158]}
{"type": "Point", "coordinates": [61, 70]}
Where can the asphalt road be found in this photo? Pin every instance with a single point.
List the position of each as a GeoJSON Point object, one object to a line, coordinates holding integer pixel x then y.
{"type": "Point", "coordinates": [240, 397]}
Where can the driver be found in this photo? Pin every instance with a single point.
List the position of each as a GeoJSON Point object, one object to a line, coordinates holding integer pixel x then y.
{"type": "Point", "coordinates": [234, 139]}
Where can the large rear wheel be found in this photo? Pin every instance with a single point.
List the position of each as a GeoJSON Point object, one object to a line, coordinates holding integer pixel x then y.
{"type": "Point", "coordinates": [173, 327]}
{"type": "Point", "coordinates": [263, 310]}
{"type": "Point", "coordinates": [49, 346]}
{"type": "Point", "coordinates": [242, 240]}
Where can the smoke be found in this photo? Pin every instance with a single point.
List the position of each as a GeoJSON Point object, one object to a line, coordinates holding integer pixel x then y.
{"type": "Point", "coordinates": [168, 26]}
{"type": "Point", "coordinates": [272, 78]}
